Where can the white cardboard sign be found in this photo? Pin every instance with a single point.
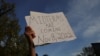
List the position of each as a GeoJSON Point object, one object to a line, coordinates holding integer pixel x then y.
{"type": "Point", "coordinates": [50, 28]}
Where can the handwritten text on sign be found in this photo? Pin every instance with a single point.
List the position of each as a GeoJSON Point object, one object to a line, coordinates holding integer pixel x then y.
{"type": "Point", "coordinates": [50, 28]}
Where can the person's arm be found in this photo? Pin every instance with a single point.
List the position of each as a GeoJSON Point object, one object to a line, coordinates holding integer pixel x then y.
{"type": "Point", "coordinates": [29, 33]}
{"type": "Point", "coordinates": [32, 48]}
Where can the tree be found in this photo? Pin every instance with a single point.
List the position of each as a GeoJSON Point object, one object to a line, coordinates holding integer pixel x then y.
{"type": "Point", "coordinates": [87, 51]}
{"type": "Point", "coordinates": [11, 43]}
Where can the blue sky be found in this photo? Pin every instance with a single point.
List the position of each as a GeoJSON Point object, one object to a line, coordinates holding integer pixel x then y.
{"type": "Point", "coordinates": [83, 16]}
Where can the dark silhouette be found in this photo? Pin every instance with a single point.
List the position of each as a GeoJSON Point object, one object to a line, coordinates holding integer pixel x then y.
{"type": "Point", "coordinates": [96, 48]}
{"type": "Point", "coordinates": [87, 51]}
{"type": "Point", "coordinates": [45, 55]}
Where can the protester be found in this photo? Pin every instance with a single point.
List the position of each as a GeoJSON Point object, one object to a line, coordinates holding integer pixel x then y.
{"type": "Point", "coordinates": [30, 35]}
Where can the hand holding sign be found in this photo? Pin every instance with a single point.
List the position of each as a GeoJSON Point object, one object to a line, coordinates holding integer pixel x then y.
{"type": "Point", "coordinates": [50, 28]}
{"type": "Point", "coordinates": [29, 32]}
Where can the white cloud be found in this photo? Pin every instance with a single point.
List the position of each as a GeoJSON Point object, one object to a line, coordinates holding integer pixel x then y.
{"type": "Point", "coordinates": [93, 29]}
{"type": "Point", "coordinates": [85, 12]}
{"type": "Point", "coordinates": [75, 53]}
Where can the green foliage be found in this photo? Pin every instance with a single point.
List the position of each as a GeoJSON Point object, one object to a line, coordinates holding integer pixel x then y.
{"type": "Point", "coordinates": [11, 43]}
{"type": "Point", "coordinates": [87, 51]}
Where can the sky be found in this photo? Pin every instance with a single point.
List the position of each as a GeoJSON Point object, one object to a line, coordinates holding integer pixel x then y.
{"type": "Point", "coordinates": [83, 17]}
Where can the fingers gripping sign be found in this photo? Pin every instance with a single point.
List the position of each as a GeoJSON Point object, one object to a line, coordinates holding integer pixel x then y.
{"type": "Point", "coordinates": [29, 32]}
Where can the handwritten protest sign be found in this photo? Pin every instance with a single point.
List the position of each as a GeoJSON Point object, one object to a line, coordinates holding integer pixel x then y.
{"type": "Point", "coordinates": [50, 28]}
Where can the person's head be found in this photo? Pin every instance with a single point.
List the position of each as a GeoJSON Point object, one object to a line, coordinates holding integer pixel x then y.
{"type": "Point", "coordinates": [36, 54]}
{"type": "Point", "coordinates": [45, 55]}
